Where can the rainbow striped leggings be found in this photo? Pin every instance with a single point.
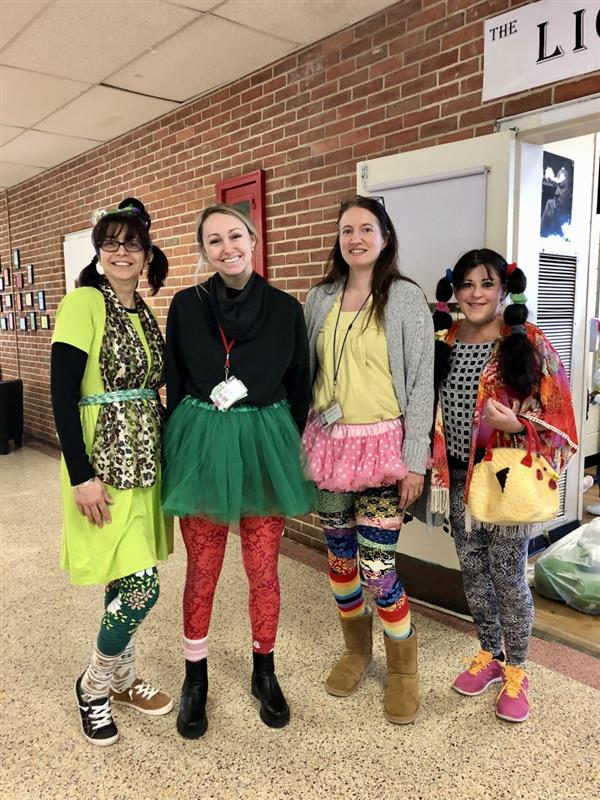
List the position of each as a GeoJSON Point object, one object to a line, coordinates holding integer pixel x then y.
{"type": "Point", "coordinates": [361, 529]}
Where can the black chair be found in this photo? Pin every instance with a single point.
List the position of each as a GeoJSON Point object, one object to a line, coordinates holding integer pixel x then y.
{"type": "Point", "coordinates": [11, 414]}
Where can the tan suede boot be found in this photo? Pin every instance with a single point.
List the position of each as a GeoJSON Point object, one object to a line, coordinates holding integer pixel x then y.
{"type": "Point", "coordinates": [349, 670]}
{"type": "Point", "coordinates": [401, 704]}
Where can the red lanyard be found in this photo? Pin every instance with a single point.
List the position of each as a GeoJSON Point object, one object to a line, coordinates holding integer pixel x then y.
{"type": "Point", "coordinates": [227, 345]}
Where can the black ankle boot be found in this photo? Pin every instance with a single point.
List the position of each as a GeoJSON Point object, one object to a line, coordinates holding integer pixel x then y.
{"type": "Point", "coordinates": [191, 720]}
{"type": "Point", "coordinates": [274, 710]}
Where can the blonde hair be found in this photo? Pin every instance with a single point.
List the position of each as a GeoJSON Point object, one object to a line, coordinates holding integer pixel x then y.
{"type": "Point", "coordinates": [221, 208]}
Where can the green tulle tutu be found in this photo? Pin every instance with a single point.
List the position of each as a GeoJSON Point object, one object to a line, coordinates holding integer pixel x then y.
{"type": "Point", "coordinates": [223, 465]}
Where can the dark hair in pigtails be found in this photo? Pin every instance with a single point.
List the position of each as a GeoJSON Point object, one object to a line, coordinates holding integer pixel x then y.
{"type": "Point", "coordinates": [157, 270]}
{"type": "Point", "coordinates": [518, 359]}
{"type": "Point", "coordinates": [132, 217]}
{"type": "Point", "coordinates": [442, 321]}
{"type": "Point", "coordinates": [89, 276]}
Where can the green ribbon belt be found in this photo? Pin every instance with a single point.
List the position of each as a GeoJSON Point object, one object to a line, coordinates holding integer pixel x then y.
{"type": "Point", "coordinates": [119, 396]}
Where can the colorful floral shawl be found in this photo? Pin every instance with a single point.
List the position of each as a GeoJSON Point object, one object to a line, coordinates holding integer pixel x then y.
{"type": "Point", "coordinates": [550, 406]}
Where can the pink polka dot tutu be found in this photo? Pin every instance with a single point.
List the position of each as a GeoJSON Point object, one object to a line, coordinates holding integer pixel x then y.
{"type": "Point", "coordinates": [350, 458]}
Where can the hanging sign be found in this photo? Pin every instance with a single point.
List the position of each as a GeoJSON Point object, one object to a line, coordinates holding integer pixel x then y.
{"type": "Point", "coordinates": [540, 43]}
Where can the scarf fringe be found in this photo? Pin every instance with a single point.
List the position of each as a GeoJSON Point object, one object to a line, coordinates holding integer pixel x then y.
{"type": "Point", "coordinates": [527, 529]}
{"type": "Point", "coordinates": [440, 500]}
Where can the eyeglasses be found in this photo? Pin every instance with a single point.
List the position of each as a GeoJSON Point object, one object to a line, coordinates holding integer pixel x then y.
{"type": "Point", "coordinates": [112, 245]}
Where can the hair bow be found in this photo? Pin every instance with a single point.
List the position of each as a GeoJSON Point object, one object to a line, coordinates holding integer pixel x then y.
{"type": "Point", "coordinates": [519, 298]}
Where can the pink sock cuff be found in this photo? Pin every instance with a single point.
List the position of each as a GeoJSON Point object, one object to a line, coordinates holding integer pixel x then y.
{"type": "Point", "coordinates": [195, 649]}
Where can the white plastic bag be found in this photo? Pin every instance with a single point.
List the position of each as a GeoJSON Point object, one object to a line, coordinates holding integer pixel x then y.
{"type": "Point", "coordinates": [569, 570]}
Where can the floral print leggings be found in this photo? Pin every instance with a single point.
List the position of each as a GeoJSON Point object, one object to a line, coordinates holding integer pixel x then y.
{"type": "Point", "coordinates": [205, 542]}
{"type": "Point", "coordinates": [127, 602]}
{"type": "Point", "coordinates": [494, 571]}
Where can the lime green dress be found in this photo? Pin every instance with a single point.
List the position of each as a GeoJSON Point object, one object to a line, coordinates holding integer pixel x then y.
{"type": "Point", "coordinates": [138, 535]}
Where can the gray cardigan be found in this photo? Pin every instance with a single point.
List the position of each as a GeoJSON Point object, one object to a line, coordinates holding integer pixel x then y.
{"type": "Point", "coordinates": [408, 329]}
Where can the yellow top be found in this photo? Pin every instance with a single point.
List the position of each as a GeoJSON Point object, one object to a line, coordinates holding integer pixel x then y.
{"type": "Point", "coordinates": [365, 389]}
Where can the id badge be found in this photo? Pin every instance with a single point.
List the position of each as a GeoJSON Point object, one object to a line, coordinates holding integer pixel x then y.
{"type": "Point", "coordinates": [331, 414]}
{"type": "Point", "coordinates": [228, 392]}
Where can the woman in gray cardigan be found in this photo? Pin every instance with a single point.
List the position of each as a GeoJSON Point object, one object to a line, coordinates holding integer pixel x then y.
{"type": "Point", "coordinates": [367, 439]}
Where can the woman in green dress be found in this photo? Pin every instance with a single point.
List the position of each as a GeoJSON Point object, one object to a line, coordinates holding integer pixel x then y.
{"type": "Point", "coordinates": [107, 367]}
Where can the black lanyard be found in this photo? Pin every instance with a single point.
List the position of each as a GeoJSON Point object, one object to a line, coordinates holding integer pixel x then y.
{"type": "Point", "coordinates": [336, 365]}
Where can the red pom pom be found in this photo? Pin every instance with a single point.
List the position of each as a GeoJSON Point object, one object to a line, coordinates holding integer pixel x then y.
{"type": "Point", "coordinates": [510, 268]}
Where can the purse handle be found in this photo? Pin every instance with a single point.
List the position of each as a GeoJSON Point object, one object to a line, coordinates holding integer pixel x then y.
{"type": "Point", "coordinates": [533, 440]}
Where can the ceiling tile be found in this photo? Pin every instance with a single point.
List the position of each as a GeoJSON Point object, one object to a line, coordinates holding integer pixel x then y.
{"type": "Point", "coordinates": [205, 55]}
{"type": "Point", "coordinates": [199, 5]}
{"type": "Point", "coordinates": [44, 149]}
{"type": "Point", "coordinates": [27, 97]}
{"type": "Point", "coordinates": [15, 15]}
{"type": "Point", "coordinates": [104, 113]}
{"type": "Point", "coordinates": [303, 21]}
{"type": "Point", "coordinates": [8, 132]}
{"type": "Point", "coordinates": [89, 40]}
{"type": "Point", "coordinates": [11, 174]}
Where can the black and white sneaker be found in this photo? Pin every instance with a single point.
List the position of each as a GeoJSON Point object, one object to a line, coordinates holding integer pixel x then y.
{"type": "Point", "coordinates": [96, 718]}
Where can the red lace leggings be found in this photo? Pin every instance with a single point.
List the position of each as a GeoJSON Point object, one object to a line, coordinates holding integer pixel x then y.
{"type": "Point", "coordinates": [205, 543]}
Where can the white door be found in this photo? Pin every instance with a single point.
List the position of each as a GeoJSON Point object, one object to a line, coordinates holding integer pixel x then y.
{"type": "Point", "coordinates": [443, 201]}
{"type": "Point", "coordinates": [78, 252]}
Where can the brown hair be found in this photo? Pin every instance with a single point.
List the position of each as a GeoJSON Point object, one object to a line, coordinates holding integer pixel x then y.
{"type": "Point", "coordinates": [386, 269]}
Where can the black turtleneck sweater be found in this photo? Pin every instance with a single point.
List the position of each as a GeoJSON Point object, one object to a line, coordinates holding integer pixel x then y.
{"type": "Point", "coordinates": [272, 364]}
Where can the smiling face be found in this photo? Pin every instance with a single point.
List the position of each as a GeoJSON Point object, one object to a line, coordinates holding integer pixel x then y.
{"type": "Point", "coordinates": [123, 266]}
{"type": "Point", "coordinates": [361, 239]}
{"type": "Point", "coordinates": [227, 246]}
{"type": "Point", "coordinates": [480, 295]}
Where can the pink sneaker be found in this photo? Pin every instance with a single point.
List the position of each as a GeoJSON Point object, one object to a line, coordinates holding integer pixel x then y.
{"type": "Point", "coordinates": [512, 703]}
{"type": "Point", "coordinates": [484, 671]}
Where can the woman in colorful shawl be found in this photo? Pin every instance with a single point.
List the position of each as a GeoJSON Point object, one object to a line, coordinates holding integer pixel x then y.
{"type": "Point", "coordinates": [494, 369]}
{"type": "Point", "coordinates": [107, 367]}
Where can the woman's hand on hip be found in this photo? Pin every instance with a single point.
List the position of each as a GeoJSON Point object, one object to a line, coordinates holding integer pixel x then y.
{"type": "Point", "coordinates": [92, 500]}
{"type": "Point", "coordinates": [410, 488]}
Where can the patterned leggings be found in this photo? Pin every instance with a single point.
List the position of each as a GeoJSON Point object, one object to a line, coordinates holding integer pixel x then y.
{"type": "Point", "coordinates": [495, 580]}
{"type": "Point", "coordinates": [365, 526]}
{"type": "Point", "coordinates": [127, 602]}
{"type": "Point", "coordinates": [205, 543]}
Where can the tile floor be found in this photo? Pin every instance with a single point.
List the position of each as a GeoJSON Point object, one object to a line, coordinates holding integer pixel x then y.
{"type": "Point", "coordinates": [333, 748]}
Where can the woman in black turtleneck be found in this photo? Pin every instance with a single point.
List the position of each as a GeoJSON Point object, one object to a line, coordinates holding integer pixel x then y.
{"type": "Point", "coordinates": [237, 395]}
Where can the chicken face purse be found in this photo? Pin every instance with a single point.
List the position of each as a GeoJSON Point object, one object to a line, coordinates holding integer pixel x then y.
{"type": "Point", "coordinates": [512, 486]}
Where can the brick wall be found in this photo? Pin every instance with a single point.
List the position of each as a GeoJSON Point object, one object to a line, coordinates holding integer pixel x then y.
{"type": "Point", "coordinates": [408, 77]}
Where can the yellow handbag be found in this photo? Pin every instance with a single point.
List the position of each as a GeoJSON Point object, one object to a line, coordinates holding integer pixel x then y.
{"type": "Point", "coordinates": [512, 486]}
